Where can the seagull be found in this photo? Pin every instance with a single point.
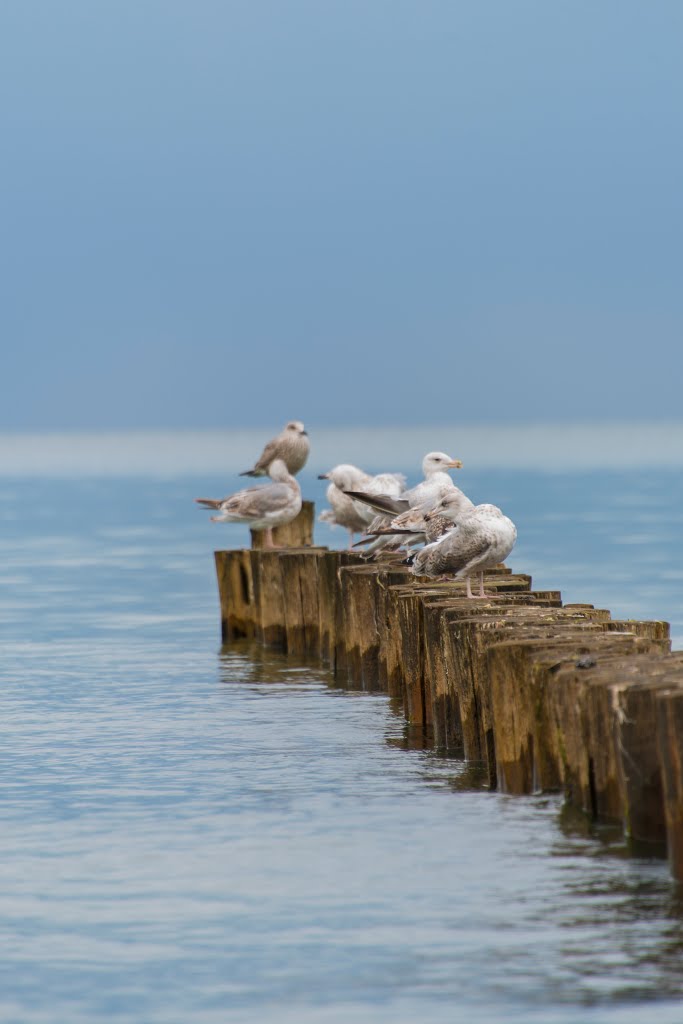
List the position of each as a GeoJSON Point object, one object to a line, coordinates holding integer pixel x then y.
{"type": "Point", "coordinates": [343, 509]}
{"type": "Point", "coordinates": [354, 515]}
{"type": "Point", "coordinates": [261, 507]}
{"type": "Point", "coordinates": [291, 445]}
{"type": "Point", "coordinates": [481, 539]}
{"type": "Point", "coordinates": [432, 488]}
{"type": "Point", "coordinates": [406, 515]}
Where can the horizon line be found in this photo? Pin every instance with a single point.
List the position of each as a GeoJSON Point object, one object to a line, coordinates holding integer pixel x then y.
{"type": "Point", "coordinates": [198, 452]}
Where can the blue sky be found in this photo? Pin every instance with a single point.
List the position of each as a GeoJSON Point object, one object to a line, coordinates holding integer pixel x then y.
{"type": "Point", "coordinates": [219, 213]}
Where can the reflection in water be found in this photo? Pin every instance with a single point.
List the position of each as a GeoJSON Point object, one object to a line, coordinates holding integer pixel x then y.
{"type": "Point", "coordinates": [602, 929]}
{"type": "Point", "coordinates": [245, 661]}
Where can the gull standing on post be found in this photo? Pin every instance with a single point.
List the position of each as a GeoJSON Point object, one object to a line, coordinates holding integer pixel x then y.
{"type": "Point", "coordinates": [261, 508]}
{"type": "Point", "coordinates": [431, 489]}
{"type": "Point", "coordinates": [407, 512]}
{"type": "Point", "coordinates": [291, 445]}
{"type": "Point", "coordinates": [355, 516]}
{"type": "Point", "coordinates": [480, 540]}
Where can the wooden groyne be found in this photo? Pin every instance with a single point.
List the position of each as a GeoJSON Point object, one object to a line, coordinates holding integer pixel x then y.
{"type": "Point", "coordinates": [547, 696]}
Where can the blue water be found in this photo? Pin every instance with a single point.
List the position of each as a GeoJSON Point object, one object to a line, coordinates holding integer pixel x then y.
{"type": "Point", "coordinates": [196, 834]}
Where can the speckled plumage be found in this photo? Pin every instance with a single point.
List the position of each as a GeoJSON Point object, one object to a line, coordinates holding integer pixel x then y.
{"type": "Point", "coordinates": [291, 446]}
{"type": "Point", "coordinates": [481, 539]}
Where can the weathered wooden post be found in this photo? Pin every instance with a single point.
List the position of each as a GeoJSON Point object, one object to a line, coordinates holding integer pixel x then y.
{"type": "Point", "coordinates": [266, 574]}
{"type": "Point", "coordinates": [669, 710]}
{"type": "Point", "coordinates": [329, 605]}
{"type": "Point", "coordinates": [544, 739]}
{"type": "Point", "coordinates": [300, 599]}
{"type": "Point", "coordinates": [239, 613]}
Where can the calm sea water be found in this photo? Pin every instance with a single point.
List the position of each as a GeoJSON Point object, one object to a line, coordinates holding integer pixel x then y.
{"type": "Point", "coordinates": [190, 833]}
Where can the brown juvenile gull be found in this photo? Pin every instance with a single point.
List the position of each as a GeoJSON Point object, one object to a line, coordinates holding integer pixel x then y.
{"type": "Point", "coordinates": [481, 539]}
{"type": "Point", "coordinates": [261, 507]}
{"type": "Point", "coordinates": [291, 445]}
{"type": "Point", "coordinates": [355, 516]}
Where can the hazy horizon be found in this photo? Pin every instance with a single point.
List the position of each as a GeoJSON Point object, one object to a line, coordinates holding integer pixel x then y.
{"type": "Point", "coordinates": [169, 453]}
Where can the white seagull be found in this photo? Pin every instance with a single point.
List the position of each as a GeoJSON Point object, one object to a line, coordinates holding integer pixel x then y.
{"type": "Point", "coordinates": [355, 516]}
{"type": "Point", "coordinates": [405, 515]}
{"type": "Point", "coordinates": [431, 489]}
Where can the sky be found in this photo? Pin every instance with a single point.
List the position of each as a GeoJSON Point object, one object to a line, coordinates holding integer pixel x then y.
{"type": "Point", "coordinates": [219, 214]}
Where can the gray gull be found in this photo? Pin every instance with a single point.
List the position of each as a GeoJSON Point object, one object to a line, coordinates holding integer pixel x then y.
{"type": "Point", "coordinates": [262, 508]}
{"type": "Point", "coordinates": [355, 516]}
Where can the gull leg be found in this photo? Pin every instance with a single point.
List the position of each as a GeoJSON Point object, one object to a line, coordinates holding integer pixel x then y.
{"type": "Point", "coordinates": [351, 536]}
{"type": "Point", "coordinates": [482, 593]}
{"type": "Point", "coordinates": [469, 588]}
{"type": "Point", "coordinates": [268, 538]}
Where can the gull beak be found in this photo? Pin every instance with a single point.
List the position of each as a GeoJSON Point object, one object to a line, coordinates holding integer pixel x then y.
{"type": "Point", "coordinates": [304, 433]}
{"type": "Point", "coordinates": [454, 464]}
{"type": "Point", "coordinates": [323, 476]}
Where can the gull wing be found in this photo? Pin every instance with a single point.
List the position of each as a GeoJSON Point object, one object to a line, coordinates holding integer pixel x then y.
{"type": "Point", "coordinates": [380, 502]}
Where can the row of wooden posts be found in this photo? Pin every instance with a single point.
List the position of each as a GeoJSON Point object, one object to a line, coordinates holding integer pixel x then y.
{"type": "Point", "coordinates": [548, 696]}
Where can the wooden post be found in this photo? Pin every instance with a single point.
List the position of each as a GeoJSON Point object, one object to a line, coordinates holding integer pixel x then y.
{"type": "Point", "coordinates": [330, 612]}
{"type": "Point", "coordinates": [633, 686]}
{"type": "Point", "coordinates": [266, 575]}
{"type": "Point", "coordinates": [669, 710]}
{"type": "Point", "coordinates": [542, 737]}
{"type": "Point", "coordinates": [391, 575]}
{"type": "Point", "coordinates": [472, 636]}
{"type": "Point", "coordinates": [300, 594]}
{"type": "Point", "coordinates": [359, 585]}
{"type": "Point", "coordinates": [297, 534]}
{"type": "Point", "coordinates": [236, 593]}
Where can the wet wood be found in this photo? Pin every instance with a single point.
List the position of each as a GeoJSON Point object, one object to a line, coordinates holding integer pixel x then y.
{"type": "Point", "coordinates": [552, 739]}
{"type": "Point", "coordinates": [236, 593]}
{"type": "Point", "coordinates": [472, 636]}
{"type": "Point", "coordinates": [300, 590]}
{"type": "Point", "coordinates": [669, 713]}
{"type": "Point", "coordinates": [266, 574]}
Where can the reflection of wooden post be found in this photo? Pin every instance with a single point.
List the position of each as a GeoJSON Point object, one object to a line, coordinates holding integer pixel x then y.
{"type": "Point", "coordinates": [297, 534]}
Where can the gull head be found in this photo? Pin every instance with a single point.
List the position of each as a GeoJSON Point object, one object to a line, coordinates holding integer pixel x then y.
{"type": "Point", "coordinates": [295, 427]}
{"type": "Point", "coordinates": [435, 462]}
{"type": "Point", "coordinates": [450, 506]}
{"type": "Point", "coordinates": [346, 477]}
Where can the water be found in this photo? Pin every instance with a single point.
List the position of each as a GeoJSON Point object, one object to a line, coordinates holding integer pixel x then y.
{"type": "Point", "coordinates": [190, 833]}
